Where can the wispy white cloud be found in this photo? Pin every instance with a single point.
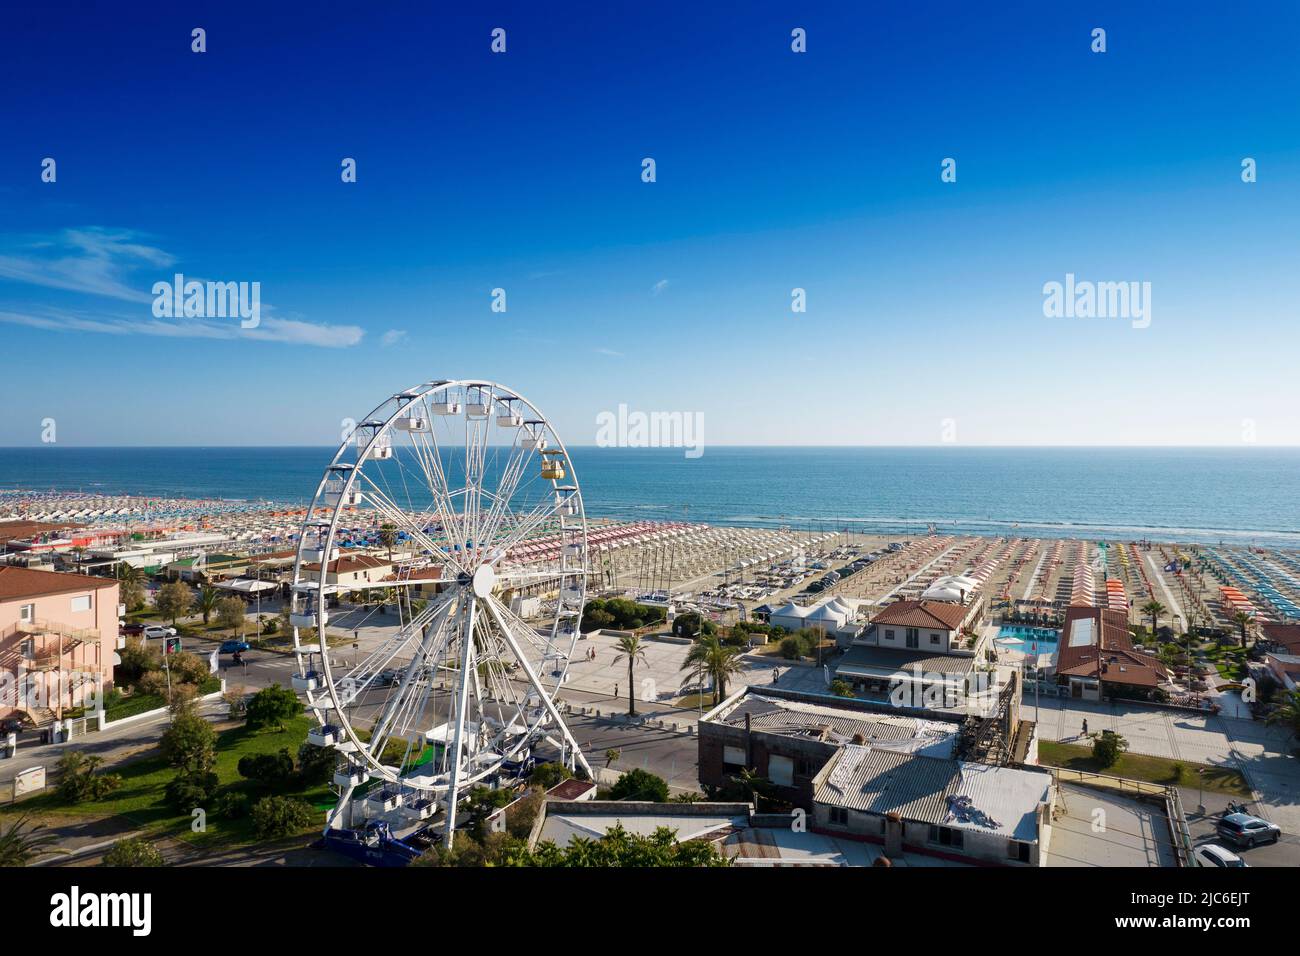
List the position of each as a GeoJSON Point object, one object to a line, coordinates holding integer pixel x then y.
{"type": "Point", "coordinates": [392, 337]}
{"type": "Point", "coordinates": [659, 286]}
{"type": "Point", "coordinates": [610, 352]}
{"type": "Point", "coordinates": [270, 329]}
{"type": "Point", "coordinates": [120, 264]}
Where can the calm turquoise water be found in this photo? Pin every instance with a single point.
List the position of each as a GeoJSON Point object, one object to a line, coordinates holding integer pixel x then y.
{"type": "Point", "coordinates": [1019, 637]}
{"type": "Point", "coordinates": [1231, 495]}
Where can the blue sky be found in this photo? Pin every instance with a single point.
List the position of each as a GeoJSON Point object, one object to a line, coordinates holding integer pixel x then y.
{"type": "Point", "coordinates": [775, 170]}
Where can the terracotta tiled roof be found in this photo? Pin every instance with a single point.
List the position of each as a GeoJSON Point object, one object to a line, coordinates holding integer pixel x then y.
{"type": "Point", "coordinates": [1120, 663]}
{"type": "Point", "coordinates": [349, 564]}
{"type": "Point", "coordinates": [18, 583]}
{"type": "Point", "coordinates": [935, 614]}
{"type": "Point", "coordinates": [1286, 635]}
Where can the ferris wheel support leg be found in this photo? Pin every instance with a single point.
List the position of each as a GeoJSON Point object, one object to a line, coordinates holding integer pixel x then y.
{"type": "Point", "coordinates": [537, 686]}
{"type": "Point", "coordinates": [335, 820]}
{"type": "Point", "coordinates": [467, 667]}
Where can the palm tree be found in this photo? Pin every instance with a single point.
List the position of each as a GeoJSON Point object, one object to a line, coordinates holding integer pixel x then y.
{"type": "Point", "coordinates": [388, 538]}
{"type": "Point", "coordinates": [709, 657]}
{"type": "Point", "coordinates": [1155, 609]}
{"type": "Point", "coordinates": [631, 648]}
{"type": "Point", "coordinates": [129, 588]}
{"type": "Point", "coordinates": [1242, 620]}
{"type": "Point", "coordinates": [20, 844]}
{"type": "Point", "coordinates": [208, 598]}
{"type": "Point", "coordinates": [1288, 713]}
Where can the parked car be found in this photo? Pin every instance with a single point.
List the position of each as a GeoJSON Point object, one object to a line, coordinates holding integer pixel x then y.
{"type": "Point", "coordinates": [157, 630]}
{"type": "Point", "coordinates": [1211, 854]}
{"type": "Point", "coordinates": [234, 647]}
{"type": "Point", "coordinates": [131, 630]}
{"type": "Point", "coordinates": [1246, 830]}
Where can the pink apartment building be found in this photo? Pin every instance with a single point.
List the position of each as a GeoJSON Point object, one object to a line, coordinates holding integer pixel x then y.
{"type": "Point", "coordinates": [58, 637]}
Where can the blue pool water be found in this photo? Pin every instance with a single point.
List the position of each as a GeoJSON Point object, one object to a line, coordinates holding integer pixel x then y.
{"type": "Point", "coordinates": [1018, 637]}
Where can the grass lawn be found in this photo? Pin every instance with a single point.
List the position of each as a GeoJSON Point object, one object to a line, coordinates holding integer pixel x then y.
{"type": "Point", "coordinates": [1142, 767]}
{"type": "Point", "coordinates": [695, 701]}
{"type": "Point", "coordinates": [140, 799]}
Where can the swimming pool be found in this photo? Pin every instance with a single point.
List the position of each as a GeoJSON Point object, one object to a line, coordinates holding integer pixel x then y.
{"type": "Point", "coordinates": [1019, 637]}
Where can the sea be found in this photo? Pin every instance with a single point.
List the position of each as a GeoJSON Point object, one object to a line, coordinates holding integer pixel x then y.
{"type": "Point", "coordinates": [1238, 496]}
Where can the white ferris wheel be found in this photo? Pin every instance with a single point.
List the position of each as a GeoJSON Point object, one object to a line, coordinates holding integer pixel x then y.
{"type": "Point", "coordinates": [455, 502]}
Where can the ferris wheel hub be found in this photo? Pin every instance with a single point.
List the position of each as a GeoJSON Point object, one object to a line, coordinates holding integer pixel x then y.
{"type": "Point", "coordinates": [485, 579]}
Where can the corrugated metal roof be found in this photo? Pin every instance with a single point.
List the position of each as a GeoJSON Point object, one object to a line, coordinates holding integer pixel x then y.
{"type": "Point", "coordinates": [936, 790]}
{"type": "Point", "coordinates": [840, 725]}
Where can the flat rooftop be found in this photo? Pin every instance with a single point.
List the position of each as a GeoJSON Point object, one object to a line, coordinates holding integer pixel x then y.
{"type": "Point", "coordinates": [1130, 832]}
{"type": "Point", "coordinates": [841, 725]}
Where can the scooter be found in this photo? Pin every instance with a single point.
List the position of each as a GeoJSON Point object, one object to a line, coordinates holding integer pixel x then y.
{"type": "Point", "coordinates": [1235, 808]}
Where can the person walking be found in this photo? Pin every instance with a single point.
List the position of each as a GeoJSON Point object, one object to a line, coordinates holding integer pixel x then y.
{"type": "Point", "coordinates": [1085, 726]}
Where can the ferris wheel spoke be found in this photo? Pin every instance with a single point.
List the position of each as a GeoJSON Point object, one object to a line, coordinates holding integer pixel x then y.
{"type": "Point", "coordinates": [414, 680]}
{"type": "Point", "coordinates": [385, 506]}
{"type": "Point", "coordinates": [363, 673]}
{"type": "Point", "coordinates": [499, 613]}
{"type": "Point", "coordinates": [516, 464]}
{"type": "Point", "coordinates": [457, 757]}
{"type": "Point", "coordinates": [439, 487]}
{"type": "Point", "coordinates": [526, 524]}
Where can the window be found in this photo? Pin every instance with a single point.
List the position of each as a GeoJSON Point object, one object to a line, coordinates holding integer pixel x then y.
{"type": "Point", "coordinates": [889, 633]}
{"type": "Point", "coordinates": [840, 816]}
{"type": "Point", "coordinates": [913, 638]}
{"type": "Point", "coordinates": [934, 637]}
{"type": "Point", "coordinates": [1018, 851]}
{"type": "Point", "coordinates": [946, 836]}
{"type": "Point", "coordinates": [28, 648]}
{"type": "Point", "coordinates": [27, 613]}
{"type": "Point", "coordinates": [81, 603]}
{"type": "Point", "coordinates": [733, 756]}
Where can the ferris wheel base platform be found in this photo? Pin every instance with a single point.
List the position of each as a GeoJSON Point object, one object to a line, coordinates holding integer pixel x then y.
{"type": "Point", "coordinates": [375, 845]}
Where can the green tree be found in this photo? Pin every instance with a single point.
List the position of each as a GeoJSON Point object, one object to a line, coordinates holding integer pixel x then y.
{"type": "Point", "coordinates": [710, 658]}
{"type": "Point", "coordinates": [547, 775]}
{"type": "Point", "coordinates": [1107, 746]}
{"type": "Point", "coordinates": [632, 649]}
{"type": "Point", "coordinates": [174, 600]}
{"type": "Point", "coordinates": [1153, 609]}
{"type": "Point", "coordinates": [841, 688]}
{"type": "Point", "coordinates": [132, 851]}
{"type": "Point", "coordinates": [209, 598]}
{"type": "Point", "coordinates": [130, 586]}
{"type": "Point", "coordinates": [21, 841]}
{"type": "Point", "coordinates": [1287, 713]}
{"type": "Point", "coordinates": [189, 744]}
{"type": "Point", "coordinates": [388, 538]}
{"type": "Point", "coordinates": [80, 779]}
{"type": "Point", "coordinates": [271, 707]}
{"type": "Point", "coordinates": [137, 660]}
{"type": "Point", "coordinates": [274, 817]}
{"type": "Point", "coordinates": [270, 770]}
{"type": "Point", "coordinates": [1243, 621]}
{"type": "Point", "coordinates": [641, 785]}
{"type": "Point", "coordinates": [230, 613]}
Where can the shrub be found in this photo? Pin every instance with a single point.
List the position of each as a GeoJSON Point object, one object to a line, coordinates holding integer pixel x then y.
{"type": "Point", "coordinates": [80, 780]}
{"type": "Point", "coordinates": [187, 668]}
{"type": "Point", "coordinates": [189, 743]}
{"type": "Point", "coordinates": [232, 805]}
{"type": "Point", "coordinates": [791, 648]}
{"type": "Point", "coordinates": [315, 765]}
{"type": "Point", "coordinates": [841, 688]}
{"type": "Point", "coordinates": [132, 852]}
{"type": "Point", "coordinates": [639, 784]}
{"type": "Point", "coordinates": [272, 706]}
{"type": "Point", "coordinates": [137, 660]}
{"type": "Point", "coordinates": [270, 770]}
{"type": "Point", "coordinates": [547, 775]}
{"type": "Point", "coordinates": [275, 817]}
{"type": "Point", "coordinates": [1107, 747]}
{"type": "Point", "coordinates": [190, 789]}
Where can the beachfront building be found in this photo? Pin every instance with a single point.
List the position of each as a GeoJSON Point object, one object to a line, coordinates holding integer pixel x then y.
{"type": "Point", "coordinates": [58, 636]}
{"type": "Point", "coordinates": [1096, 658]}
{"type": "Point", "coordinates": [935, 805]}
{"type": "Point", "coordinates": [352, 572]}
{"type": "Point", "coordinates": [851, 764]}
{"type": "Point", "coordinates": [933, 653]}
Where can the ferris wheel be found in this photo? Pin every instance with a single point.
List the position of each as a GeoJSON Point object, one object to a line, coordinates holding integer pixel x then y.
{"type": "Point", "coordinates": [449, 528]}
